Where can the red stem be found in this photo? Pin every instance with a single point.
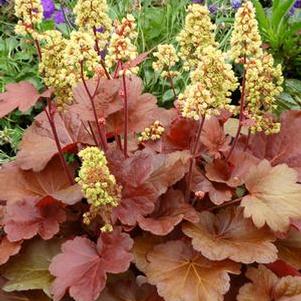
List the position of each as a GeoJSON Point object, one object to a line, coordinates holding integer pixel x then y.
{"type": "Point", "coordinates": [248, 140]}
{"type": "Point", "coordinates": [241, 113]}
{"type": "Point", "coordinates": [57, 142]}
{"type": "Point", "coordinates": [192, 160]}
{"type": "Point", "coordinates": [126, 117]}
{"type": "Point", "coordinates": [99, 54]}
{"type": "Point", "coordinates": [100, 134]}
{"type": "Point", "coordinates": [38, 49]}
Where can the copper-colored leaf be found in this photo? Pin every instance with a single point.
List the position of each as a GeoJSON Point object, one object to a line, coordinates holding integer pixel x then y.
{"type": "Point", "coordinates": [274, 196]}
{"type": "Point", "coordinates": [38, 145]}
{"type": "Point", "coordinates": [8, 249]}
{"type": "Point", "coordinates": [266, 286]}
{"type": "Point", "coordinates": [17, 184]}
{"type": "Point", "coordinates": [219, 193]}
{"type": "Point", "coordinates": [290, 248]}
{"type": "Point", "coordinates": [284, 147]}
{"type": "Point", "coordinates": [142, 246]}
{"type": "Point", "coordinates": [128, 290]}
{"type": "Point", "coordinates": [171, 211]}
{"type": "Point", "coordinates": [229, 235]}
{"type": "Point", "coordinates": [22, 95]}
{"type": "Point", "coordinates": [180, 273]}
{"type": "Point", "coordinates": [214, 139]}
{"type": "Point", "coordinates": [29, 270]}
{"type": "Point", "coordinates": [24, 219]}
{"type": "Point", "coordinates": [106, 100]}
{"type": "Point", "coordinates": [136, 61]}
{"type": "Point", "coordinates": [145, 177]}
{"type": "Point", "coordinates": [82, 266]}
{"type": "Point", "coordinates": [142, 110]}
{"type": "Point", "coordinates": [233, 171]}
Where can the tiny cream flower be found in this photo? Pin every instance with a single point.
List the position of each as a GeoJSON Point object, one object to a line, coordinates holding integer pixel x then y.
{"type": "Point", "coordinates": [153, 132]}
{"type": "Point", "coordinates": [198, 33]}
{"type": "Point", "coordinates": [245, 41]}
{"type": "Point", "coordinates": [121, 47]}
{"type": "Point", "coordinates": [166, 59]}
{"type": "Point", "coordinates": [212, 83]}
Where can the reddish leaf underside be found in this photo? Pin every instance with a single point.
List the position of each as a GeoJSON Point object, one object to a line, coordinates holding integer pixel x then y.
{"type": "Point", "coordinates": [38, 145]}
{"type": "Point", "coordinates": [17, 184]}
{"type": "Point", "coordinates": [82, 266]}
{"type": "Point", "coordinates": [172, 209]}
{"type": "Point", "coordinates": [22, 95]}
{"type": "Point", "coordinates": [145, 177]}
{"type": "Point", "coordinates": [23, 220]}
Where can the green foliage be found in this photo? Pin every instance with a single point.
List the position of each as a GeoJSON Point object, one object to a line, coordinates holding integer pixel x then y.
{"type": "Point", "coordinates": [290, 99]}
{"type": "Point", "coordinates": [280, 32]}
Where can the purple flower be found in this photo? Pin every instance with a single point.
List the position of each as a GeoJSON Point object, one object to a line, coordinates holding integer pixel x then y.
{"type": "Point", "coordinates": [291, 11]}
{"type": "Point", "coordinates": [59, 16]}
{"type": "Point", "coordinates": [235, 4]}
{"type": "Point", "coordinates": [297, 4]}
{"type": "Point", "coordinates": [197, 1]}
{"type": "Point", "coordinates": [48, 8]}
{"type": "Point", "coordinates": [212, 9]}
{"type": "Point", "coordinates": [100, 30]}
{"type": "Point", "coordinates": [2, 2]}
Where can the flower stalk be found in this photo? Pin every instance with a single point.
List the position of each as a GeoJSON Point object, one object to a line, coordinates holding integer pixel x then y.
{"type": "Point", "coordinates": [102, 141]}
{"type": "Point", "coordinates": [50, 114]}
{"type": "Point", "coordinates": [193, 154]}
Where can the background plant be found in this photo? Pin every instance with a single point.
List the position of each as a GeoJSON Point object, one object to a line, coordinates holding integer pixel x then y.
{"type": "Point", "coordinates": [108, 188]}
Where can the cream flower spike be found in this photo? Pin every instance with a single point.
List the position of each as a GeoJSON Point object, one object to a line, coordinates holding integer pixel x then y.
{"type": "Point", "coordinates": [245, 41]}
{"type": "Point", "coordinates": [198, 33]}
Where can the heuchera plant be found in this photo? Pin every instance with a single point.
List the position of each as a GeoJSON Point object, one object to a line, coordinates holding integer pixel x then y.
{"type": "Point", "coordinates": [114, 198]}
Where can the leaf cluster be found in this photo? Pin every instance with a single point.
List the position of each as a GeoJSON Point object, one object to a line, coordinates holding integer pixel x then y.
{"type": "Point", "coordinates": [204, 212]}
{"type": "Point", "coordinates": [244, 212]}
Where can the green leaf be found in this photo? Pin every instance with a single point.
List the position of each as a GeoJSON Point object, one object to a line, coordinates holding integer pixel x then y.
{"type": "Point", "coordinates": [294, 28]}
{"type": "Point", "coordinates": [280, 12]}
{"type": "Point", "coordinates": [29, 269]}
{"type": "Point", "coordinates": [293, 84]}
{"type": "Point", "coordinates": [261, 16]}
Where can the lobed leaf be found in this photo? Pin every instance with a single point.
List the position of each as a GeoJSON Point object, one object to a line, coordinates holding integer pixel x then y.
{"type": "Point", "coordinates": [266, 286]}
{"type": "Point", "coordinates": [82, 266]}
{"type": "Point", "coordinates": [171, 210]}
{"type": "Point", "coordinates": [180, 273]}
{"type": "Point", "coordinates": [38, 146]}
{"type": "Point", "coordinates": [29, 270]}
{"type": "Point", "coordinates": [22, 95]}
{"type": "Point", "coordinates": [274, 196]}
{"type": "Point", "coordinates": [25, 218]}
{"type": "Point", "coordinates": [17, 184]}
{"type": "Point", "coordinates": [228, 235]}
{"type": "Point", "coordinates": [144, 177]}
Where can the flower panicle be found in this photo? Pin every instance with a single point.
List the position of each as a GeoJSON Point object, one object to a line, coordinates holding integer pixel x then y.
{"type": "Point", "coordinates": [166, 59]}
{"type": "Point", "coordinates": [98, 185]}
{"type": "Point", "coordinates": [92, 17]}
{"type": "Point", "coordinates": [52, 67]}
{"type": "Point", "coordinates": [245, 40]}
{"type": "Point", "coordinates": [198, 33]}
{"type": "Point", "coordinates": [153, 132]}
{"type": "Point", "coordinates": [121, 48]}
{"type": "Point", "coordinates": [212, 83]}
{"type": "Point", "coordinates": [30, 14]}
{"type": "Point", "coordinates": [263, 85]}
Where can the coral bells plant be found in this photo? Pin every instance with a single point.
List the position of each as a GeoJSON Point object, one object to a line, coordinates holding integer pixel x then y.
{"type": "Point", "coordinates": [111, 197]}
